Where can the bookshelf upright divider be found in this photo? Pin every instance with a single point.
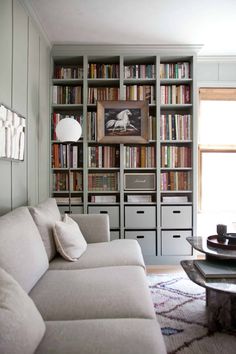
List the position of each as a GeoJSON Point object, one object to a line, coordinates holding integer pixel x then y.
{"type": "Point", "coordinates": [109, 179]}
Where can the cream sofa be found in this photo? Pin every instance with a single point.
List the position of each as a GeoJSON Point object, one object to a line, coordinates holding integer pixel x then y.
{"type": "Point", "coordinates": [99, 304]}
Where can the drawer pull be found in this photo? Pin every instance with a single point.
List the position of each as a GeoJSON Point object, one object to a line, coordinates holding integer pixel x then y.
{"type": "Point", "coordinates": [176, 211]}
{"type": "Point", "coordinates": [103, 212]}
{"type": "Point", "coordinates": [140, 236]}
{"type": "Point", "coordinates": [176, 236]}
{"type": "Point", "coordinates": [140, 211]}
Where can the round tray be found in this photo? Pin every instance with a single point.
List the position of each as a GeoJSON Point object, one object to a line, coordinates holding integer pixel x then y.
{"type": "Point", "coordinates": [213, 242]}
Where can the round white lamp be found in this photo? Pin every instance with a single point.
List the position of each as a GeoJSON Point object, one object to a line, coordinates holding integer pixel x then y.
{"type": "Point", "coordinates": [68, 130]}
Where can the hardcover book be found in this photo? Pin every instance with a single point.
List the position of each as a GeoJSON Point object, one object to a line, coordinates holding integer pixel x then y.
{"type": "Point", "coordinates": [216, 269]}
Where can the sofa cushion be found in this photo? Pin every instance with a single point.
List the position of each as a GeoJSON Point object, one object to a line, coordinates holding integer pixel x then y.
{"type": "Point", "coordinates": [69, 240]}
{"type": "Point", "coordinates": [21, 325]}
{"type": "Point", "coordinates": [45, 215]}
{"type": "Point", "coordinates": [22, 253]}
{"type": "Point", "coordinates": [104, 254]}
{"type": "Point", "coordinates": [103, 336]}
{"type": "Point", "coordinates": [93, 293]}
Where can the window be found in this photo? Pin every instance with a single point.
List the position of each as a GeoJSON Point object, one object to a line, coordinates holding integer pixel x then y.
{"type": "Point", "coordinates": [217, 150]}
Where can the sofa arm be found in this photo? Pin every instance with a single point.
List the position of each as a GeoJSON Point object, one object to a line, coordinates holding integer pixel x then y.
{"type": "Point", "coordinates": [94, 227]}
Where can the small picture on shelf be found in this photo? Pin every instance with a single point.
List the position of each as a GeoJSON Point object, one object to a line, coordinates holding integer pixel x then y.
{"type": "Point", "coordinates": [122, 122]}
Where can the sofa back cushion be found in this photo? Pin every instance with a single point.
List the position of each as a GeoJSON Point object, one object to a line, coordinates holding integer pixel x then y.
{"type": "Point", "coordinates": [45, 216]}
{"type": "Point", "coordinates": [21, 325]}
{"type": "Point", "coordinates": [22, 253]}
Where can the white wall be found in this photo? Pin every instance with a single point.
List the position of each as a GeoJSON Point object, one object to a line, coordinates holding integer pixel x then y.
{"type": "Point", "coordinates": [24, 87]}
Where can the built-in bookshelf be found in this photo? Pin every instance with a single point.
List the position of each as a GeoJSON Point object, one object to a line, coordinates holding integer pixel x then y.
{"type": "Point", "coordinates": [148, 188]}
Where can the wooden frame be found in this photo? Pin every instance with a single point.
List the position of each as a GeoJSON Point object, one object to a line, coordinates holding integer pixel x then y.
{"type": "Point", "coordinates": [122, 122]}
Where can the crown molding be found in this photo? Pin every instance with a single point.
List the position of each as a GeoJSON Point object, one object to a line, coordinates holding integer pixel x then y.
{"type": "Point", "coordinates": [131, 49]}
{"type": "Point", "coordinates": [31, 13]}
{"type": "Point", "coordinates": [216, 58]}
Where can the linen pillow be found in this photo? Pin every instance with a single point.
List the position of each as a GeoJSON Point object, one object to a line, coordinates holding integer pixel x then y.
{"type": "Point", "coordinates": [69, 240]}
{"type": "Point", "coordinates": [45, 215]}
{"type": "Point", "coordinates": [21, 325]}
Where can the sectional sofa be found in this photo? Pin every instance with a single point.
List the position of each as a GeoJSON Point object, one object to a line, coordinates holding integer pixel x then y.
{"type": "Point", "coordinates": [99, 304]}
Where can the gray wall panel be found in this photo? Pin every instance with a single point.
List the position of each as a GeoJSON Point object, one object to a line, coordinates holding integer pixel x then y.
{"type": "Point", "coordinates": [5, 187]}
{"type": "Point", "coordinates": [19, 97]}
{"type": "Point", "coordinates": [227, 71]}
{"type": "Point", "coordinates": [44, 121]}
{"type": "Point", "coordinates": [33, 114]}
{"type": "Point", "coordinates": [207, 71]}
{"type": "Point", "coordinates": [6, 51]}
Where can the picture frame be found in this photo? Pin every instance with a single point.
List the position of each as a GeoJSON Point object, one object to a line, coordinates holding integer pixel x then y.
{"type": "Point", "coordinates": [122, 122]}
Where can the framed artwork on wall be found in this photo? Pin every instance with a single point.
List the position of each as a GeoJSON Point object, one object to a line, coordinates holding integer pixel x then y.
{"type": "Point", "coordinates": [122, 122]}
{"type": "Point", "coordinates": [12, 134]}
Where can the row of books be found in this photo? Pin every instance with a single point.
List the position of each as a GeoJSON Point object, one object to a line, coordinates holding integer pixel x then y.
{"type": "Point", "coordinates": [56, 117]}
{"type": "Point", "coordinates": [60, 181]}
{"type": "Point", "coordinates": [62, 156]}
{"type": "Point", "coordinates": [139, 156]}
{"type": "Point", "coordinates": [175, 126]}
{"type": "Point", "coordinates": [103, 71]}
{"type": "Point", "coordinates": [103, 198]}
{"type": "Point", "coordinates": [91, 125]}
{"type": "Point", "coordinates": [103, 156]}
{"type": "Point", "coordinates": [67, 94]}
{"type": "Point", "coordinates": [175, 94]}
{"type": "Point", "coordinates": [174, 199]}
{"type": "Point", "coordinates": [68, 72]}
{"type": "Point", "coordinates": [152, 128]}
{"type": "Point", "coordinates": [175, 156]}
{"type": "Point", "coordinates": [176, 181]}
{"type": "Point", "coordinates": [140, 92]}
{"type": "Point", "coordinates": [139, 198]}
{"type": "Point", "coordinates": [139, 71]}
{"type": "Point", "coordinates": [102, 93]}
{"type": "Point", "coordinates": [65, 200]}
{"type": "Point", "coordinates": [103, 181]}
{"type": "Point", "coordinates": [179, 70]}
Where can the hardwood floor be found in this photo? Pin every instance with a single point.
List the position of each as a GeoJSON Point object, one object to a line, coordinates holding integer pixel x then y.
{"type": "Point", "coordinates": [164, 269]}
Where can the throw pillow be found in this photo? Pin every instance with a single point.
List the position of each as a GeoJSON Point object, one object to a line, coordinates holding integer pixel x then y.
{"type": "Point", "coordinates": [69, 240]}
{"type": "Point", "coordinates": [21, 325]}
{"type": "Point", "coordinates": [45, 215]}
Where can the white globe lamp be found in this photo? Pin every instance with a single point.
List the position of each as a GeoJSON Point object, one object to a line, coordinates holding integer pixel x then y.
{"type": "Point", "coordinates": [68, 130]}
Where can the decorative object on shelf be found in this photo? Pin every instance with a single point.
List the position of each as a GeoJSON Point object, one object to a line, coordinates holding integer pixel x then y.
{"type": "Point", "coordinates": [122, 122]}
{"type": "Point", "coordinates": [68, 130]}
{"type": "Point", "coordinates": [228, 244]}
{"type": "Point", "coordinates": [221, 232]}
{"type": "Point", "coordinates": [12, 134]}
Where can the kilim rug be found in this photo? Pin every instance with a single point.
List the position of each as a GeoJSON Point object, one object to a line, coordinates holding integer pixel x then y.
{"type": "Point", "coordinates": [181, 312]}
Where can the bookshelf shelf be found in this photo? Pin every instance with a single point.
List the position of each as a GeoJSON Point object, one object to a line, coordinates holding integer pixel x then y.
{"type": "Point", "coordinates": [168, 160]}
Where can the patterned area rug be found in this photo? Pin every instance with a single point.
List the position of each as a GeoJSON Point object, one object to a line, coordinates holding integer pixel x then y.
{"type": "Point", "coordinates": [180, 308]}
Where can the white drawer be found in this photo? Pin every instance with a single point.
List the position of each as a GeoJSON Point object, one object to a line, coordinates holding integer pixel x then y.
{"type": "Point", "coordinates": [174, 243]}
{"type": "Point", "coordinates": [143, 217]}
{"type": "Point", "coordinates": [176, 217]}
{"type": "Point", "coordinates": [74, 209]}
{"type": "Point", "coordinates": [146, 239]}
{"type": "Point", "coordinates": [114, 235]}
{"type": "Point", "coordinates": [112, 211]}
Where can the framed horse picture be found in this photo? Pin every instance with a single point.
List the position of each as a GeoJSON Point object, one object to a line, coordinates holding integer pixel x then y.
{"type": "Point", "coordinates": [122, 122]}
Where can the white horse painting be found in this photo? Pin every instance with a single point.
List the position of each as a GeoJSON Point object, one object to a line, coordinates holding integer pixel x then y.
{"type": "Point", "coordinates": [122, 121]}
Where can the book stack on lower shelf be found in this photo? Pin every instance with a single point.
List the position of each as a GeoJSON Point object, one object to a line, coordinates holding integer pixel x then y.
{"type": "Point", "coordinates": [216, 269]}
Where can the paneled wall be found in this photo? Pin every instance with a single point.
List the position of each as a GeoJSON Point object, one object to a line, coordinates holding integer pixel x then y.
{"type": "Point", "coordinates": [216, 71]}
{"type": "Point", "coordinates": [24, 87]}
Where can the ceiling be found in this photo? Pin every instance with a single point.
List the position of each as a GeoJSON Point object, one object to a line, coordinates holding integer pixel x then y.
{"type": "Point", "coordinates": [211, 23]}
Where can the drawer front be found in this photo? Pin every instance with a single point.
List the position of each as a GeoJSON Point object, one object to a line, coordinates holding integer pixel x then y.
{"type": "Point", "coordinates": [146, 239]}
{"type": "Point", "coordinates": [174, 243]}
{"type": "Point", "coordinates": [74, 209]}
{"type": "Point", "coordinates": [112, 211]}
{"type": "Point", "coordinates": [114, 235]}
{"type": "Point", "coordinates": [143, 217]}
{"type": "Point", "coordinates": [176, 217]}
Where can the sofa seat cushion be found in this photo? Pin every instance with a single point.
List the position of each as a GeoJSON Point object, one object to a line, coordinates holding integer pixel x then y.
{"type": "Point", "coordinates": [104, 254]}
{"type": "Point", "coordinates": [120, 292]}
{"type": "Point", "coordinates": [22, 253]}
{"type": "Point", "coordinates": [45, 216]}
{"type": "Point", "coordinates": [21, 325]}
{"type": "Point", "coordinates": [104, 336]}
